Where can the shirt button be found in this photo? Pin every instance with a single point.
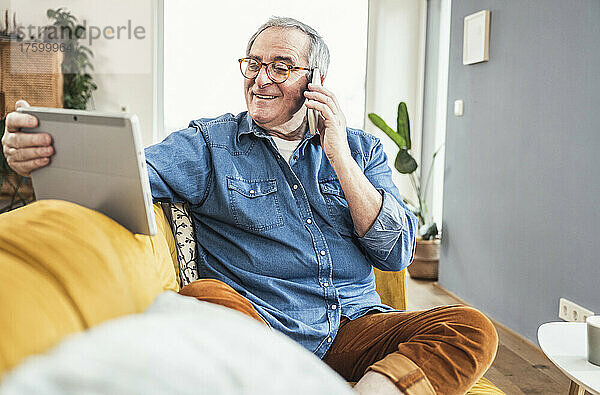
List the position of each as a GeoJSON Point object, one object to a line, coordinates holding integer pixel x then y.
{"type": "Point", "coordinates": [333, 307]}
{"type": "Point", "coordinates": [323, 252]}
{"type": "Point", "coordinates": [329, 340]}
{"type": "Point", "coordinates": [252, 192]}
{"type": "Point", "coordinates": [309, 221]}
{"type": "Point", "coordinates": [325, 284]}
{"type": "Point", "coordinates": [295, 186]}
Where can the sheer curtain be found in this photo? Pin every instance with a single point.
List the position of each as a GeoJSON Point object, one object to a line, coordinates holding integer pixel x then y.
{"type": "Point", "coordinates": [203, 40]}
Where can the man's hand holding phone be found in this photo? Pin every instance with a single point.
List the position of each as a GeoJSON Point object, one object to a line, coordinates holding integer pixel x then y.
{"type": "Point", "coordinates": [25, 152]}
{"type": "Point", "coordinates": [313, 115]}
{"type": "Point", "coordinates": [331, 121]}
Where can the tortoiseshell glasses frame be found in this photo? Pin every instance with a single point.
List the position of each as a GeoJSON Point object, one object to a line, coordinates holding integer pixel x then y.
{"type": "Point", "coordinates": [277, 71]}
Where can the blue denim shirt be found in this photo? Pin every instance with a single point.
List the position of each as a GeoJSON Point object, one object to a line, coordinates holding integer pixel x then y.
{"type": "Point", "coordinates": [281, 233]}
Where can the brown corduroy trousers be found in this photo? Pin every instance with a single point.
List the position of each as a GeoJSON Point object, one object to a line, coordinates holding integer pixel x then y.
{"type": "Point", "coordinates": [444, 350]}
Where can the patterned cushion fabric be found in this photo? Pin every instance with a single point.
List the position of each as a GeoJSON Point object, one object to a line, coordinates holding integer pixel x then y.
{"type": "Point", "coordinates": [185, 241]}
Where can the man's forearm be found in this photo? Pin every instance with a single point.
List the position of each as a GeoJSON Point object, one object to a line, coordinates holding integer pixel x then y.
{"type": "Point", "coordinates": [362, 197]}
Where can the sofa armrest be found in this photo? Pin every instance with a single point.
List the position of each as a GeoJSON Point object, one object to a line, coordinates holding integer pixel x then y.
{"type": "Point", "coordinates": [163, 224]}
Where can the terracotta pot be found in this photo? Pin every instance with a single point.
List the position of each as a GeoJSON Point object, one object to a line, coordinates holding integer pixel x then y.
{"type": "Point", "coordinates": [426, 260]}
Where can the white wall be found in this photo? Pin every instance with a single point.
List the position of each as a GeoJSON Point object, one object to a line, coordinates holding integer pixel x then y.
{"type": "Point", "coordinates": [436, 199]}
{"type": "Point", "coordinates": [435, 103]}
{"type": "Point", "coordinates": [204, 40]}
{"type": "Point", "coordinates": [123, 67]}
{"type": "Point", "coordinates": [395, 63]}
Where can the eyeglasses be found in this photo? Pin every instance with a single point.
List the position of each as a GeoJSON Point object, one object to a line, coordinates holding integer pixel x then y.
{"type": "Point", "coordinates": [277, 72]}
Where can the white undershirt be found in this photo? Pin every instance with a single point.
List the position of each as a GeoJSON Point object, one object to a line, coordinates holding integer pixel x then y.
{"type": "Point", "coordinates": [286, 147]}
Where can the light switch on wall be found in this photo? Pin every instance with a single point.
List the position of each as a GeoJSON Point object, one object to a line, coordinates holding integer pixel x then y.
{"type": "Point", "coordinates": [458, 108]}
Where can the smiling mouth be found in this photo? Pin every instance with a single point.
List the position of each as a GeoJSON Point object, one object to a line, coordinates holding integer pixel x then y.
{"type": "Point", "coordinates": [265, 97]}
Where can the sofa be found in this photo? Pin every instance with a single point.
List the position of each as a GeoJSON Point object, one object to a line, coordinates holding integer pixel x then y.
{"type": "Point", "coordinates": [66, 270]}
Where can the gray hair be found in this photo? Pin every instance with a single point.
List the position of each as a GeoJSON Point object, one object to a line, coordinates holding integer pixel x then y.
{"type": "Point", "coordinates": [318, 54]}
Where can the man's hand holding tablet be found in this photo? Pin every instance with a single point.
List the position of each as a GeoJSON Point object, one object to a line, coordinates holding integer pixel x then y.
{"type": "Point", "coordinates": [25, 152]}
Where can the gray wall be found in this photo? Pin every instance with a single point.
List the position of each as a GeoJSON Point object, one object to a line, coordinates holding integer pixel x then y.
{"type": "Point", "coordinates": [522, 177]}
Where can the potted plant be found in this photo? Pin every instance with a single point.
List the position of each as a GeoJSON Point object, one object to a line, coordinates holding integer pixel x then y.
{"type": "Point", "coordinates": [427, 252]}
{"type": "Point", "coordinates": [78, 83]}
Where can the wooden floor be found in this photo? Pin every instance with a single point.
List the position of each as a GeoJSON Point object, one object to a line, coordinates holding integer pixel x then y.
{"type": "Point", "coordinates": [519, 368]}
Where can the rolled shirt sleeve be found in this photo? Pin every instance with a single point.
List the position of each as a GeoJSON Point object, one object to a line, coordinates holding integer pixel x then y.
{"type": "Point", "coordinates": [390, 242]}
{"type": "Point", "coordinates": [394, 226]}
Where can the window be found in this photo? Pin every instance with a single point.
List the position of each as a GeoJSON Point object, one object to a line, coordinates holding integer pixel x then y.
{"type": "Point", "coordinates": [201, 37]}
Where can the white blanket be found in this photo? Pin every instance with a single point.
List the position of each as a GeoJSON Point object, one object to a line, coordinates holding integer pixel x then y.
{"type": "Point", "coordinates": [178, 346]}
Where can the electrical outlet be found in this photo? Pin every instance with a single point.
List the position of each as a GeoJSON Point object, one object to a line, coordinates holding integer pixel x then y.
{"type": "Point", "coordinates": [572, 312]}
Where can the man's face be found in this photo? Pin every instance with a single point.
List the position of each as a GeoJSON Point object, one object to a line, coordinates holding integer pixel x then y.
{"type": "Point", "coordinates": [278, 106]}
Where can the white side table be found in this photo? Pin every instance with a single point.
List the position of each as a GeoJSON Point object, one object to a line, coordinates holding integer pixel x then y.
{"type": "Point", "coordinates": [564, 343]}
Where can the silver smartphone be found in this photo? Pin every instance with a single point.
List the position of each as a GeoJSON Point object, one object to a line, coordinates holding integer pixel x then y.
{"type": "Point", "coordinates": [98, 163]}
{"type": "Point", "coordinates": [313, 116]}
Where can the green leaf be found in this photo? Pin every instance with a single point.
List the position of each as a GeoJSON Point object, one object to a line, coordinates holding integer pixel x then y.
{"type": "Point", "coordinates": [79, 31]}
{"type": "Point", "coordinates": [65, 32]}
{"type": "Point", "coordinates": [403, 124]}
{"type": "Point", "coordinates": [86, 49]}
{"type": "Point", "coordinates": [50, 13]}
{"type": "Point", "coordinates": [404, 162]}
{"type": "Point", "coordinates": [429, 231]}
{"type": "Point", "coordinates": [78, 84]}
{"type": "Point", "coordinates": [380, 123]}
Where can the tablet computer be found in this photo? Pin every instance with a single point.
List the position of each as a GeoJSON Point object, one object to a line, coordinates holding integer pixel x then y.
{"type": "Point", "coordinates": [98, 163]}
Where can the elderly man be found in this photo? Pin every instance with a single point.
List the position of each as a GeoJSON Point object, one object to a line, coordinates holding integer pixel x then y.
{"type": "Point", "coordinates": [290, 224]}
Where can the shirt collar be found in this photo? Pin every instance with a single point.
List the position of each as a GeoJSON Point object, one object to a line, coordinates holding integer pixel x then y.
{"type": "Point", "coordinates": [251, 127]}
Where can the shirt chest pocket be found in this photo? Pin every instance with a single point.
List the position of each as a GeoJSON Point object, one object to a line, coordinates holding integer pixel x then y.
{"type": "Point", "coordinates": [254, 203]}
{"type": "Point", "coordinates": [337, 206]}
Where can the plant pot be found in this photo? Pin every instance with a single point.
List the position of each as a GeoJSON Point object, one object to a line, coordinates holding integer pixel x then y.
{"type": "Point", "coordinates": [426, 260]}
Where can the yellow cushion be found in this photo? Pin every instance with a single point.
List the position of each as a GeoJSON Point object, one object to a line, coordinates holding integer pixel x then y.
{"type": "Point", "coordinates": [391, 287]}
{"type": "Point", "coordinates": [163, 247]}
{"type": "Point", "coordinates": [164, 229]}
{"type": "Point", "coordinates": [484, 387]}
{"type": "Point", "coordinates": [35, 311]}
{"type": "Point", "coordinates": [64, 268]}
